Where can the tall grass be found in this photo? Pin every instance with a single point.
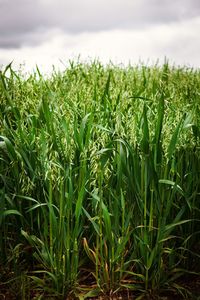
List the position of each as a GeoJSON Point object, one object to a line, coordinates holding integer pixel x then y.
{"type": "Point", "coordinates": [99, 180]}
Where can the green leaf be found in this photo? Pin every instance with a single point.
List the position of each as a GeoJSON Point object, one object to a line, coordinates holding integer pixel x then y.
{"type": "Point", "coordinates": [174, 139]}
{"type": "Point", "coordinates": [11, 212]}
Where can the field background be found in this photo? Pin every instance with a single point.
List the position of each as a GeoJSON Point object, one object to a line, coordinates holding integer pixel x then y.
{"type": "Point", "coordinates": [99, 182]}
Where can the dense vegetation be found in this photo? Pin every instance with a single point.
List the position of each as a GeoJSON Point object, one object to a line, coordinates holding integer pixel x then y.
{"type": "Point", "coordinates": [99, 181]}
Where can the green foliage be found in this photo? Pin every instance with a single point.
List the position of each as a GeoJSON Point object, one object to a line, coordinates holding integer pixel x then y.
{"type": "Point", "coordinates": [99, 179]}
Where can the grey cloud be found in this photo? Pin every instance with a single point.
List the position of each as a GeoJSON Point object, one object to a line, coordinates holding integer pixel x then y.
{"type": "Point", "coordinates": [21, 21]}
{"type": "Point", "coordinates": [179, 42]}
{"type": "Point", "coordinates": [26, 38]}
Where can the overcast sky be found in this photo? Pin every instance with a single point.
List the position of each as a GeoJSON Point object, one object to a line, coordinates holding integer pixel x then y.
{"type": "Point", "coordinates": [46, 32]}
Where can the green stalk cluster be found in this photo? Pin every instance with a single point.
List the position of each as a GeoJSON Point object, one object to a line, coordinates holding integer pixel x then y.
{"type": "Point", "coordinates": [99, 180]}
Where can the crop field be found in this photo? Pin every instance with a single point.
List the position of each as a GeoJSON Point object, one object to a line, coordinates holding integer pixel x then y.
{"type": "Point", "coordinates": [100, 183]}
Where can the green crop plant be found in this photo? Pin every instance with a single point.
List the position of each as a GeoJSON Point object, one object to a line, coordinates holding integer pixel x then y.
{"type": "Point", "coordinates": [99, 181]}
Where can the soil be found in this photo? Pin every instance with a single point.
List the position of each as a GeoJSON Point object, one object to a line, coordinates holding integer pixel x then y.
{"type": "Point", "coordinates": [191, 284]}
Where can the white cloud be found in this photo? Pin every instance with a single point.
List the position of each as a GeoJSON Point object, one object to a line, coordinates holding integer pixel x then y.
{"type": "Point", "coordinates": [177, 41]}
